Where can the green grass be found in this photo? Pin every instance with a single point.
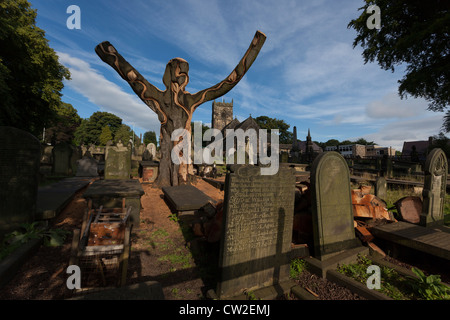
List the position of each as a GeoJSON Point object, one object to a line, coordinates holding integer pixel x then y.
{"type": "Point", "coordinates": [297, 266]}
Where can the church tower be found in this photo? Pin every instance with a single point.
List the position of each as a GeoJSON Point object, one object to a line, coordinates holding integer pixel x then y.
{"type": "Point", "coordinates": [222, 114]}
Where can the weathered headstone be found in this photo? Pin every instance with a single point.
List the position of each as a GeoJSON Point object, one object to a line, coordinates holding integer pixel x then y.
{"type": "Point", "coordinates": [152, 150]}
{"type": "Point", "coordinates": [381, 188]}
{"type": "Point", "coordinates": [19, 167]}
{"type": "Point", "coordinates": [332, 212]}
{"type": "Point", "coordinates": [434, 188]}
{"type": "Point", "coordinates": [118, 163]}
{"type": "Point", "coordinates": [87, 167]}
{"type": "Point", "coordinates": [62, 153]}
{"type": "Point", "coordinates": [257, 229]}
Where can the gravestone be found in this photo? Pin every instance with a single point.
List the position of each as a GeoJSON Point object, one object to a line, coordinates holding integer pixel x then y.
{"type": "Point", "coordinates": [332, 212]}
{"type": "Point", "coordinates": [257, 229]}
{"type": "Point", "coordinates": [62, 153]}
{"type": "Point", "coordinates": [152, 150]}
{"type": "Point", "coordinates": [434, 188]}
{"type": "Point", "coordinates": [87, 167]}
{"type": "Point", "coordinates": [118, 163]}
{"type": "Point", "coordinates": [19, 167]}
{"type": "Point", "coordinates": [381, 188]}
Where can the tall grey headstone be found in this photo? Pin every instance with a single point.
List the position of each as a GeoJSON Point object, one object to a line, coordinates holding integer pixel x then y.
{"type": "Point", "coordinates": [19, 167]}
{"type": "Point", "coordinates": [434, 188]}
{"type": "Point", "coordinates": [62, 153]}
{"type": "Point", "coordinates": [257, 229]}
{"type": "Point", "coordinates": [118, 163]}
{"type": "Point", "coordinates": [332, 212]}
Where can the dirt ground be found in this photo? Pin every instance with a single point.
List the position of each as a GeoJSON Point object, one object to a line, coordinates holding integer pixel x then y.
{"type": "Point", "coordinates": [163, 250]}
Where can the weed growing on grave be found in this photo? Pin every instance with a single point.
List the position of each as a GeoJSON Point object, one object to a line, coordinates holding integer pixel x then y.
{"type": "Point", "coordinates": [297, 266]}
{"type": "Point", "coordinates": [29, 231]}
{"type": "Point", "coordinates": [178, 258]}
{"type": "Point", "coordinates": [392, 283]}
{"type": "Point", "coordinates": [173, 217]}
{"type": "Point", "coordinates": [429, 287]}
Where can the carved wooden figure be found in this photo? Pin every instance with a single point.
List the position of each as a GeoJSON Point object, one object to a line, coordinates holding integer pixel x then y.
{"type": "Point", "coordinates": [175, 105]}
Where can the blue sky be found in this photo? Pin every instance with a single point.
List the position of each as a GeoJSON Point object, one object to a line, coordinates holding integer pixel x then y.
{"type": "Point", "coordinates": [307, 73]}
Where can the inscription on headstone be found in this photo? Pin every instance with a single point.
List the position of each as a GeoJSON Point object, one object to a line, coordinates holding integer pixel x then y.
{"type": "Point", "coordinates": [19, 167]}
{"type": "Point", "coordinates": [332, 212]}
{"type": "Point", "coordinates": [434, 188]}
{"type": "Point", "coordinates": [257, 225]}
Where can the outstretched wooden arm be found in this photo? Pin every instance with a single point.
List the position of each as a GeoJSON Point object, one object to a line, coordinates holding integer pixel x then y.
{"type": "Point", "coordinates": [144, 89]}
{"type": "Point", "coordinates": [226, 85]}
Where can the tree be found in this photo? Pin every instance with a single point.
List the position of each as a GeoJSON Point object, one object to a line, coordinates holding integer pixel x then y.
{"type": "Point", "coordinates": [364, 142]}
{"type": "Point", "coordinates": [105, 135]}
{"type": "Point", "coordinates": [175, 106]}
{"type": "Point", "coordinates": [90, 129]}
{"type": "Point", "coordinates": [31, 78]}
{"type": "Point", "coordinates": [268, 123]}
{"type": "Point", "coordinates": [150, 137]}
{"type": "Point", "coordinates": [415, 33]}
{"type": "Point", "coordinates": [124, 134]}
{"type": "Point", "coordinates": [63, 128]}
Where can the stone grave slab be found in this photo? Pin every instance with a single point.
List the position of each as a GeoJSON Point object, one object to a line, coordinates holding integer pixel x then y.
{"type": "Point", "coordinates": [110, 193]}
{"type": "Point", "coordinates": [255, 249]}
{"type": "Point", "coordinates": [19, 167]}
{"type": "Point", "coordinates": [52, 199]}
{"type": "Point", "coordinates": [185, 198]}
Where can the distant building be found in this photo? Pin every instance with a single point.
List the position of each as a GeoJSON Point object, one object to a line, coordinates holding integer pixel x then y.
{"type": "Point", "coordinates": [363, 151]}
{"type": "Point", "coordinates": [416, 148]}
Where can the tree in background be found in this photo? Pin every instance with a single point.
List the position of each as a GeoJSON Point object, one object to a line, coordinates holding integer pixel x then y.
{"type": "Point", "coordinates": [150, 137]}
{"type": "Point", "coordinates": [265, 122]}
{"type": "Point", "coordinates": [414, 33]}
{"type": "Point", "coordinates": [31, 78]}
{"type": "Point", "coordinates": [105, 135]}
{"type": "Point", "coordinates": [90, 129]}
{"type": "Point", "coordinates": [64, 125]}
{"type": "Point", "coordinates": [124, 134]}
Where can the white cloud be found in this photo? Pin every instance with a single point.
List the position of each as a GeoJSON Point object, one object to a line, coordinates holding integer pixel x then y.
{"type": "Point", "coordinates": [391, 106]}
{"type": "Point", "coordinates": [107, 95]}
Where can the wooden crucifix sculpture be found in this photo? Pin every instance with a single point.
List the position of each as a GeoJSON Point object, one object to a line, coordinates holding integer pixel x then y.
{"type": "Point", "coordinates": [175, 106]}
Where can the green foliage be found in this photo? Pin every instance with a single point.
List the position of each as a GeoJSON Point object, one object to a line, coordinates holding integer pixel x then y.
{"type": "Point", "coordinates": [150, 137]}
{"type": "Point", "coordinates": [29, 231]}
{"type": "Point", "coordinates": [90, 129]}
{"type": "Point", "coordinates": [265, 122]}
{"type": "Point", "coordinates": [63, 127]}
{"type": "Point", "coordinates": [429, 287]}
{"type": "Point", "coordinates": [31, 77]}
{"type": "Point", "coordinates": [105, 135]}
{"type": "Point", "coordinates": [414, 34]}
{"type": "Point", "coordinates": [124, 134]}
{"type": "Point", "coordinates": [297, 266]}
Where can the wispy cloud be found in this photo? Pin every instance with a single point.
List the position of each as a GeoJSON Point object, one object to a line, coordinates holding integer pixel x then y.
{"type": "Point", "coordinates": [107, 95]}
